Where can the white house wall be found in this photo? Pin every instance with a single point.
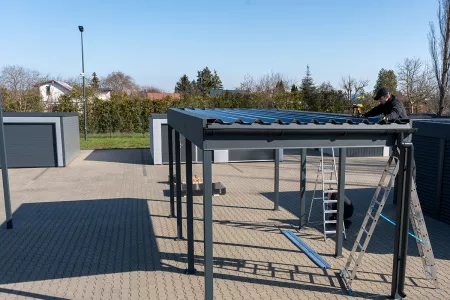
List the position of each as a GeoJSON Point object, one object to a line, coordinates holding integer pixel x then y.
{"type": "Point", "coordinates": [55, 92]}
{"type": "Point", "coordinates": [104, 95]}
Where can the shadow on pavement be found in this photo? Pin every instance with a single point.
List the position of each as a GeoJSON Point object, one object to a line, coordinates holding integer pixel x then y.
{"type": "Point", "coordinates": [78, 238]}
{"type": "Point", "coordinates": [125, 156]}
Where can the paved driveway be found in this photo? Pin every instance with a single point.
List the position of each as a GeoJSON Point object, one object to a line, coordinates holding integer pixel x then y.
{"type": "Point", "coordinates": [99, 229]}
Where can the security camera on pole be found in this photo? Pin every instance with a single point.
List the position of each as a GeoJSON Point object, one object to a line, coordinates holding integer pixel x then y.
{"type": "Point", "coordinates": [84, 89]}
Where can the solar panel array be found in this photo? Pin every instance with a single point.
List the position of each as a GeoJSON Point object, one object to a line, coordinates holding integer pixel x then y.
{"type": "Point", "coordinates": [273, 116]}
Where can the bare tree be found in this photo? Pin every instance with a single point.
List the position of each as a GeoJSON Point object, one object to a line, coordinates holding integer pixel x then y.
{"type": "Point", "coordinates": [360, 85]}
{"type": "Point", "coordinates": [265, 84]}
{"type": "Point", "coordinates": [439, 49]}
{"type": "Point", "coordinates": [144, 89]}
{"type": "Point", "coordinates": [19, 82]}
{"type": "Point", "coordinates": [119, 83]}
{"type": "Point", "coordinates": [347, 83]}
{"type": "Point", "coordinates": [415, 79]}
{"type": "Point", "coordinates": [19, 79]}
{"type": "Point", "coordinates": [352, 86]}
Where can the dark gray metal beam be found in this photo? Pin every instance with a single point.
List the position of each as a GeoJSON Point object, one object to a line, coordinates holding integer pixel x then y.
{"type": "Point", "coordinates": [189, 209]}
{"type": "Point", "coordinates": [208, 224]}
{"type": "Point", "coordinates": [301, 141]}
{"type": "Point", "coordinates": [188, 124]}
{"type": "Point", "coordinates": [340, 204]}
{"type": "Point", "coordinates": [302, 216]}
{"type": "Point", "coordinates": [276, 201]}
{"type": "Point", "coordinates": [178, 183]}
{"type": "Point", "coordinates": [171, 184]}
{"type": "Point", "coordinates": [402, 221]}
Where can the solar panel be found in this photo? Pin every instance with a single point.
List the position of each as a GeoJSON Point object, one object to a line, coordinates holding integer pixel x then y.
{"type": "Point", "coordinates": [271, 116]}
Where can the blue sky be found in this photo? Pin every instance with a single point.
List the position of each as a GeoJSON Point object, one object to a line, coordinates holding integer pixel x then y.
{"type": "Point", "coordinates": [158, 41]}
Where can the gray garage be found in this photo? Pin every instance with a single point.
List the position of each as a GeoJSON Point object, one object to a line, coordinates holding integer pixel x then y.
{"type": "Point", "coordinates": [41, 139]}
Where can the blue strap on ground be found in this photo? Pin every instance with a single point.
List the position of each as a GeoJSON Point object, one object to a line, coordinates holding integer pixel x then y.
{"type": "Point", "coordinates": [316, 258]}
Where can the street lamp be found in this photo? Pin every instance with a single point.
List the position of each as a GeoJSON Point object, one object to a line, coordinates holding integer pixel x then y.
{"type": "Point", "coordinates": [84, 89]}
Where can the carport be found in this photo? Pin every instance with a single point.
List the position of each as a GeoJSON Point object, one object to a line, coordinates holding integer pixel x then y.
{"type": "Point", "coordinates": [224, 129]}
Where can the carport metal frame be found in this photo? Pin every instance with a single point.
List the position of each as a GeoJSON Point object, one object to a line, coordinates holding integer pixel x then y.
{"type": "Point", "coordinates": [209, 135]}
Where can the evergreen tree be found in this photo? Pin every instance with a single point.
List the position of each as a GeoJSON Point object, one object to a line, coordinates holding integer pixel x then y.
{"type": "Point", "coordinates": [279, 87]}
{"type": "Point", "coordinates": [386, 79]}
{"type": "Point", "coordinates": [206, 81]}
{"type": "Point", "coordinates": [95, 81]}
{"type": "Point", "coordinates": [183, 85]}
{"type": "Point", "coordinates": [309, 92]}
{"type": "Point", "coordinates": [307, 81]}
{"type": "Point", "coordinates": [294, 88]}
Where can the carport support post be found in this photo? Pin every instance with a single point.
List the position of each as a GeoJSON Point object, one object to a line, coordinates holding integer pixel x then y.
{"type": "Point", "coordinates": [189, 209]}
{"type": "Point", "coordinates": [9, 222]}
{"type": "Point", "coordinates": [208, 224]}
{"type": "Point", "coordinates": [340, 204]}
{"type": "Point", "coordinates": [178, 171]}
{"type": "Point", "coordinates": [402, 220]}
{"type": "Point", "coordinates": [277, 180]}
{"type": "Point", "coordinates": [172, 186]}
{"type": "Point", "coordinates": [302, 218]}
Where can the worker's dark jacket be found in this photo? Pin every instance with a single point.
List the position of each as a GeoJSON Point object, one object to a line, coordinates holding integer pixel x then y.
{"type": "Point", "coordinates": [393, 110]}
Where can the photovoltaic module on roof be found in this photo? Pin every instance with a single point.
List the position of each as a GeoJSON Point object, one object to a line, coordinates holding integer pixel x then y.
{"type": "Point", "coordinates": [273, 116]}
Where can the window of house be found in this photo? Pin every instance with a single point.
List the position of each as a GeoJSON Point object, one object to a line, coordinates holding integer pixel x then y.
{"type": "Point", "coordinates": [48, 90]}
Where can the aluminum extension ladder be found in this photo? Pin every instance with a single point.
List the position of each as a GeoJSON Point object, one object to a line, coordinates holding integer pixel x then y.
{"type": "Point", "coordinates": [370, 221]}
{"type": "Point", "coordinates": [329, 186]}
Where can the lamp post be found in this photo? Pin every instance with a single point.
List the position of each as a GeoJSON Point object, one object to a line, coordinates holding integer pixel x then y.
{"type": "Point", "coordinates": [84, 89]}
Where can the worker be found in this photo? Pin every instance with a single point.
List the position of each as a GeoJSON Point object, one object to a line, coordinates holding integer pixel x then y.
{"type": "Point", "coordinates": [348, 209]}
{"type": "Point", "coordinates": [389, 106]}
{"type": "Point", "coordinates": [392, 109]}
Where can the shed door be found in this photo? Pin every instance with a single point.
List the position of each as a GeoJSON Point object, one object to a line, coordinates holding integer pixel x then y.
{"type": "Point", "coordinates": [30, 145]}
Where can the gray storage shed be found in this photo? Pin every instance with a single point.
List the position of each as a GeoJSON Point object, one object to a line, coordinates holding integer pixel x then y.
{"type": "Point", "coordinates": [41, 139]}
{"type": "Point", "coordinates": [432, 155]}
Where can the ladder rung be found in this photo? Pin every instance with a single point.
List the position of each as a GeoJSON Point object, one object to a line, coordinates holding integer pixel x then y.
{"type": "Point", "coordinates": [330, 222]}
{"type": "Point", "coordinates": [348, 273]}
{"type": "Point", "coordinates": [330, 181]}
{"type": "Point", "coordinates": [360, 246]}
{"type": "Point", "coordinates": [354, 260]}
{"type": "Point", "coordinates": [371, 216]}
{"type": "Point", "coordinates": [330, 211]}
{"type": "Point", "coordinates": [365, 231]}
{"type": "Point", "coordinates": [330, 231]}
{"type": "Point", "coordinates": [329, 201]}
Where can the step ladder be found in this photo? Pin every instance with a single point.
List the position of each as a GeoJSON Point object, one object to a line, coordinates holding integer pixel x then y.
{"type": "Point", "coordinates": [325, 174]}
{"type": "Point", "coordinates": [371, 219]}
